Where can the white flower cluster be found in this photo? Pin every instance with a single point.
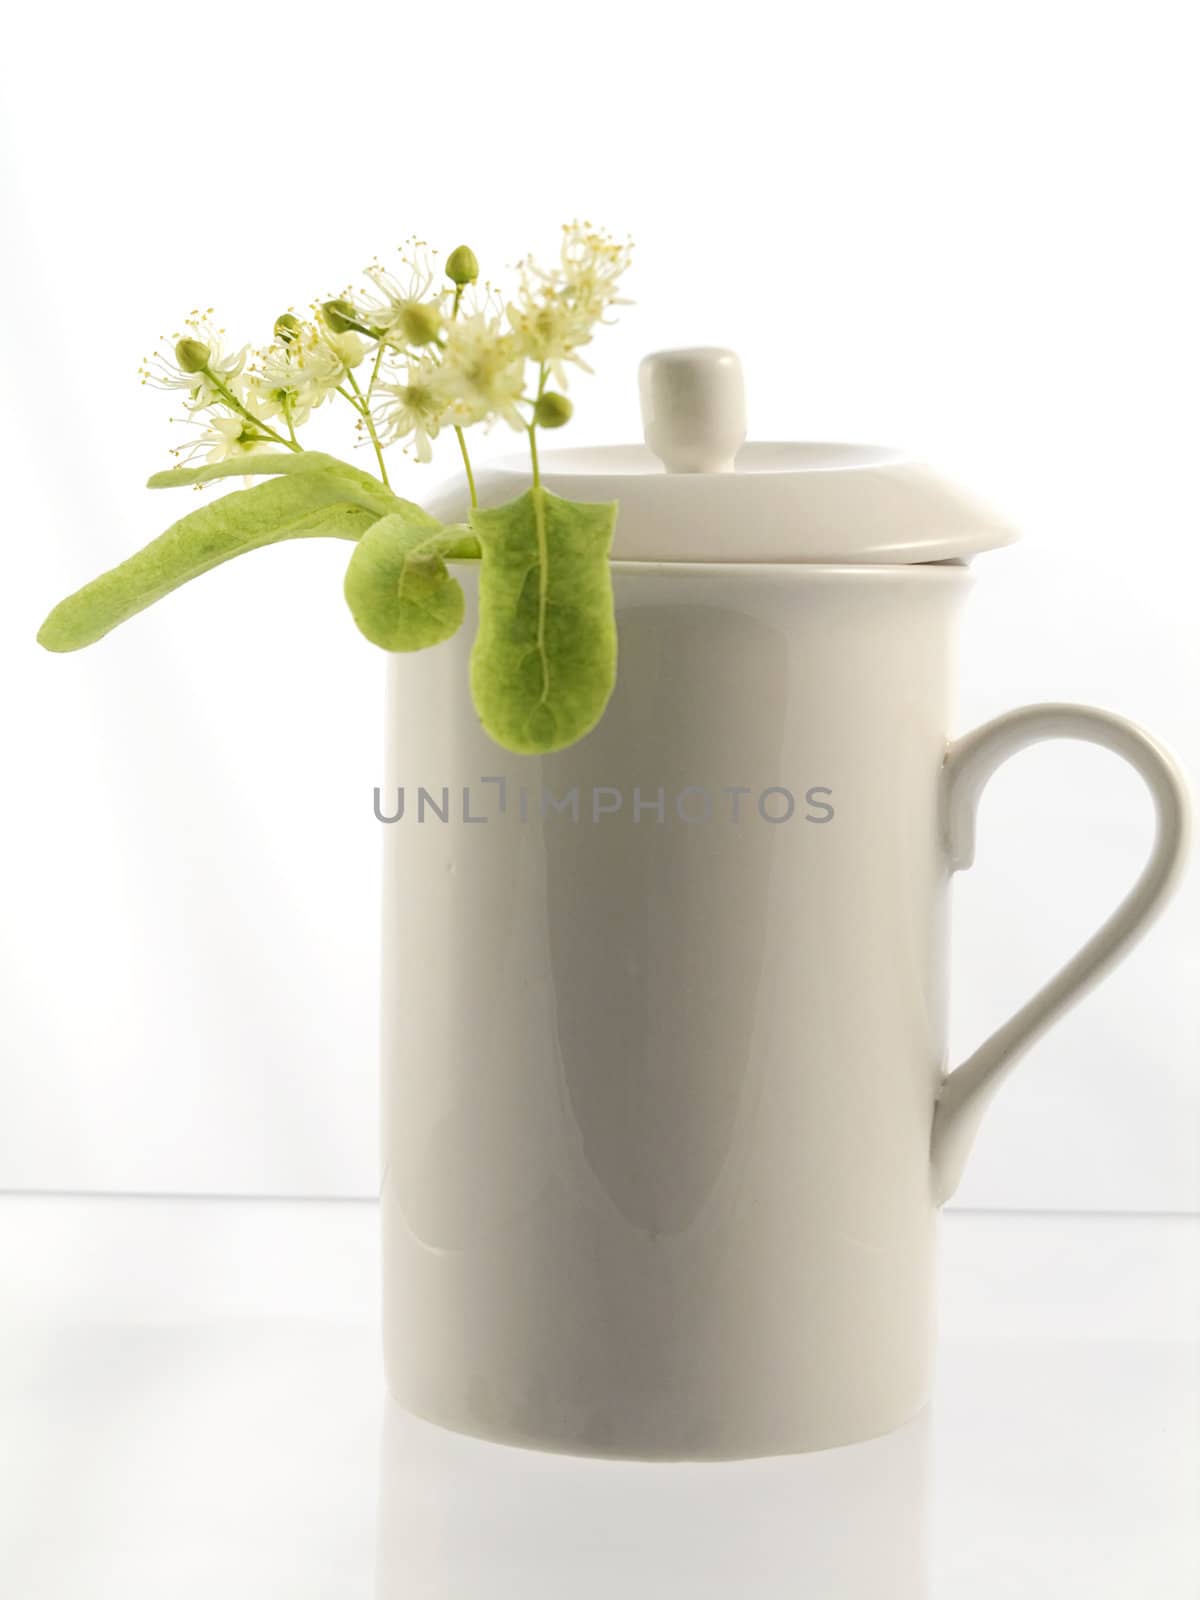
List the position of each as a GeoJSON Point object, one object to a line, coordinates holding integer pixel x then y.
{"type": "Point", "coordinates": [234, 397]}
{"type": "Point", "coordinates": [302, 368]}
{"type": "Point", "coordinates": [556, 311]}
{"type": "Point", "coordinates": [439, 350]}
{"type": "Point", "coordinates": [458, 356]}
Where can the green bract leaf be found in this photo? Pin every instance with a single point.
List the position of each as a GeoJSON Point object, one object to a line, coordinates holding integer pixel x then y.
{"type": "Point", "coordinates": [313, 505]}
{"type": "Point", "coordinates": [461, 543]}
{"type": "Point", "coordinates": [360, 487]}
{"type": "Point", "coordinates": [397, 586]}
{"type": "Point", "coordinates": [545, 656]}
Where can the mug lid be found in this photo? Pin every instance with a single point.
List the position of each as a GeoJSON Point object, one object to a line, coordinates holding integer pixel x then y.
{"type": "Point", "coordinates": [695, 492]}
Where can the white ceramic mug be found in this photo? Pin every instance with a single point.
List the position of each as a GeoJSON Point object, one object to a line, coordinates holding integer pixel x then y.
{"type": "Point", "coordinates": [666, 1126]}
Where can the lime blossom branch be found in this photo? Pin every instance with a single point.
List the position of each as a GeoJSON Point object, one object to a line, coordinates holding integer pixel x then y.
{"type": "Point", "coordinates": [439, 351]}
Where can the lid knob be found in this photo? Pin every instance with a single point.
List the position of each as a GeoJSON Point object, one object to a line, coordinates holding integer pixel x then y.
{"type": "Point", "coordinates": [693, 408]}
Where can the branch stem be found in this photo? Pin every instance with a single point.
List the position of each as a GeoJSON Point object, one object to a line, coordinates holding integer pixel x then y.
{"type": "Point", "coordinates": [462, 445]}
{"type": "Point", "coordinates": [232, 401]}
{"type": "Point", "coordinates": [532, 429]}
{"type": "Point", "coordinates": [458, 432]}
{"type": "Point", "coordinates": [364, 412]}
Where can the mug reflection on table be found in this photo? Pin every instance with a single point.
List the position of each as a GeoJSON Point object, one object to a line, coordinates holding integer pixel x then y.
{"type": "Point", "coordinates": [462, 1519]}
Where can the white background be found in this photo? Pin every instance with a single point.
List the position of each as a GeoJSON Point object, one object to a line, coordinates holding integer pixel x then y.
{"type": "Point", "coordinates": [968, 228]}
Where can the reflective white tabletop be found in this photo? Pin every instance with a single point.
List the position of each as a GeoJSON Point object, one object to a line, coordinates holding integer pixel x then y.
{"type": "Point", "coordinates": [191, 1406]}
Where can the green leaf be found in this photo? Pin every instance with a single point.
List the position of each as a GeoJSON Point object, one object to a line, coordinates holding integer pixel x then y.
{"type": "Point", "coordinates": [313, 505]}
{"type": "Point", "coordinates": [360, 487]}
{"type": "Point", "coordinates": [461, 543]}
{"type": "Point", "coordinates": [258, 464]}
{"type": "Point", "coordinates": [545, 656]}
{"type": "Point", "coordinates": [397, 586]}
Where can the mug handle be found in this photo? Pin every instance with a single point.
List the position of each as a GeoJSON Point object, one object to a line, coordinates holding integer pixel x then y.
{"type": "Point", "coordinates": [970, 761]}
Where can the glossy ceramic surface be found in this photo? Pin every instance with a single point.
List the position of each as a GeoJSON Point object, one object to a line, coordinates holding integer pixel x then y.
{"type": "Point", "coordinates": [775, 502]}
{"type": "Point", "coordinates": [664, 1039]}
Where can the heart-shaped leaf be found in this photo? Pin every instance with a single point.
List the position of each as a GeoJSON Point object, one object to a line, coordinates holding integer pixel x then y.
{"type": "Point", "coordinates": [545, 655]}
{"type": "Point", "coordinates": [398, 588]}
{"type": "Point", "coordinates": [310, 505]}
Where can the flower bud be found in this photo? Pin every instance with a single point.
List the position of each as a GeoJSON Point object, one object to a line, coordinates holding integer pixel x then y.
{"type": "Point", "coordinates": [287, 328]}
{"type": "Point", "coordinates": [552, 410]}
{"type": "Point", "coordinates": [342, 317]}
{"type": "Point", "coordinates": [347, 347]}
{"type": "Point", "coordinates": [192, 355]}
{"type": "Point", "coordinates": [461, 266]}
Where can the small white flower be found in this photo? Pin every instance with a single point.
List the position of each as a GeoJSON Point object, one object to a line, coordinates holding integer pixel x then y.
{"type": "Point", "coordinates": [278, 384]}
{"type": "Point", "coordinates": [202, 385]}
{"type": "Point", "coordinates": [483, 372]}
{"type": "Point", "coordinates": [590, 265]}
{"type": "Point", "coordinates": [349, 348]}
{"type": "Point", "coordinates": [291, 379]}
{"type": "Point", "coordinates": [225, 436]}
{"type": "Point", "coordinates": [231, 436]}
{"type": "Point", "coordinates": [414, 409]}
{"type": "Point", "coordinates": [408, 310]}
